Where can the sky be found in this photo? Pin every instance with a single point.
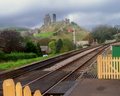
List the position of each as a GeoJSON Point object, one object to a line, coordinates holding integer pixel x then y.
{"type": "Point", "coordinates": [87, 13]}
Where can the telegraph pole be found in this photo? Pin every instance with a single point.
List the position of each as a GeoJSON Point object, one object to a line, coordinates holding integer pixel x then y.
{"type": "Point", "coordinates": [74, 37]}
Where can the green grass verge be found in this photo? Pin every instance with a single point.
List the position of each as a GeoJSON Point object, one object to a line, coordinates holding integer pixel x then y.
{"type": "Point", "coordinates": [44, 35]}
{"type": "Point", "coordinates": [19, 63]}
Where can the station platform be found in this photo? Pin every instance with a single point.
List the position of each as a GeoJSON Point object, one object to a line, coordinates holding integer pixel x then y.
{"type": "Point", "coordinates": [95, 87]}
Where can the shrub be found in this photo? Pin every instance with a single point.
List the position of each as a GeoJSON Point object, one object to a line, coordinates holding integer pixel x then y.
{"type": "Point", "coordinates": [2, 54]}
{"type": "Point", "coordinates": [39, 52]}
{"type": "Point", "coordinates": [59, 45]}
{"type": "Point", "coordinates": [31, 47]}
{"type": "Point", "coordinates": [16, 56]}
{"type": "Point", "coordinates": [67, 46]}
{"type": "Point", "coordinates": [52, 46]}
{"type": "Point", "coordinates": [34, 48]}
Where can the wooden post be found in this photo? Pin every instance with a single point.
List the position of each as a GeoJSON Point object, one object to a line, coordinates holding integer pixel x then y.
{"type": "Point", "coordinates": [117, 66]}
{"type": "Point", "coordinates": [111, 75]}
{"type": "Point", "coordinates": [99, 64]}
{"type": "Point", "coordinates": [8, 87]}
{"type": "Point", "coordinates": [108, 65]}
{"type": "Point", "coordinates": [98, 69]}
{"type": "Point", "coordinates": [114, 60]}
{"type": "Point", "coordinates": [37, 93]}
{"type": "Point", "coordinates": [18, 89]}
{"type": "Point", "coordinates": [103, 67]}
{"type": "Point", "coordinates": [27, 91]}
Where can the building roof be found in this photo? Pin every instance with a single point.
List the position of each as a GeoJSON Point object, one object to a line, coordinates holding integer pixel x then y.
{"type": "Point", "coordinates": [116, 44]}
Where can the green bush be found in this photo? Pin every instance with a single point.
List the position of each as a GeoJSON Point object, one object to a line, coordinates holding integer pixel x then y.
{"type": "Point", "coordinates": [16, 56]}
{"type": "Point", "coordinates": [34, 48]}
{"type": "Point", "coordinates": [39, 52]}
{"type": "Point", "coordinates": [67, 46]}
{"type": "Point", "coordinates": [52, 46]}
{"type": "Point", "coordinates": [59, 45]}
{"type": "Point", "coordinates": [1, 54]}
{"type": "Point", "coordinates": [30, 47]}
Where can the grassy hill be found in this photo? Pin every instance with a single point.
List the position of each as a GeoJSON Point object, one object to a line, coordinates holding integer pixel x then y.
{"type": "Point", "coordinates": [18, 29]}
{"type": "Point", "coordinates": [60, 30]}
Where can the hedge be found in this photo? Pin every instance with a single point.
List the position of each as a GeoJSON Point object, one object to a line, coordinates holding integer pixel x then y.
{"type": "Point", "coordinates": [17, 56]}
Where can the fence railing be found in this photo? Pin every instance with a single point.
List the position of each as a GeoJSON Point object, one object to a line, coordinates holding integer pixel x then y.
{"type": "Point", "coordinates": [108, 67]}
{"type": "Point", "coordinates": [12, 89]}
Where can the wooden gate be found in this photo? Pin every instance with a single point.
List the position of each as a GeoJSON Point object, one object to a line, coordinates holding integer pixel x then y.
{"type": "Point", "coordinates": [10, 89]}
{"type": "Point", "coordinates": [108, 67]}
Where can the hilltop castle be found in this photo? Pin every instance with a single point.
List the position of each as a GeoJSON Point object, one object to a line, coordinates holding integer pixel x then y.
{"type": "Point", "coordinates": [48, 20]}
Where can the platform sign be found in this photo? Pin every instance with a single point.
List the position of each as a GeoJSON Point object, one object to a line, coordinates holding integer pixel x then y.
{"type": "Point", "coordinates": [116, 51]}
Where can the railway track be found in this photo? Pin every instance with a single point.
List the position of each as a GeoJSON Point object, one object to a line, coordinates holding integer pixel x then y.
{"type": "Point", "coordinates": [45, 85]}
{"type": "Point", "coordinates": [38, 65]}
{"type": "Point", "coordinates": [47, 80]}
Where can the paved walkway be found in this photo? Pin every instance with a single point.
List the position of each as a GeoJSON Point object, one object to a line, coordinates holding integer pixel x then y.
{"type": "Point", "coordinates": [95, 87]}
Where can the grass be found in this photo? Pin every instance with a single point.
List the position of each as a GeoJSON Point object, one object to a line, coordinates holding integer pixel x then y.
{"type": "Point", "coordinates": [44, 35]}
{"type": "Point", "coordinates": [19, 63]}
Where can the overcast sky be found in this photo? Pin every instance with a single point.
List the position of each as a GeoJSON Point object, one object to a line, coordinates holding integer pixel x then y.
{"type": "Point", "coordinates": [87, 13]}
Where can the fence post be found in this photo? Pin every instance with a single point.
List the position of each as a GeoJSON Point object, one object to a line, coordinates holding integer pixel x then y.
{"type": "Point", "coordinates": [99, 64]}
{"type": "Point", "coordinates": [117, 68]}
{"type": "Point", "coordinates": [103, 67]}
{"type": "Point", "coordinates": [8, 87]}
{"type": "Point", "coordinates": [37, 93]}
{"type": "Point", "coordinates": [27, 91]}
{"type": "Point", "coordinates": [98, 67]}
{"type": "Point", "coordinates": [18, 89]}
{"type": "Point", "coordinates": [109, 67]}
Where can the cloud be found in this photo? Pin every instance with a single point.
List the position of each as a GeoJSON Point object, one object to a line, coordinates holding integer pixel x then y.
{"type": "Point", "coordinates": [85, 12]}
{"type": "Point", "coordinates": [8, 7]}
{"type": "Point", "coordinates": [97, 18]}
{"type": "Point", "coordinates": [68, 3]}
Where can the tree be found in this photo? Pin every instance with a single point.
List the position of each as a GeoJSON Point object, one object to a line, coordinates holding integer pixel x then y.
{"type": "Point", "coordinates": [52, 46]}
{"type": "Point", "coordinates": [39, 52]}
{"type": "Point", "coordinates": [89, 38]}
{"type": "Point", "coordinates": [12, 41]}
{"type": "Point", "coordinates": [67, 45]}
{"type": "Point", "coordinates": [103, 32]}
{"type": "Point", "coordinates": [34, 48]}
{"type": "Point", "coordinates": [59, 45]}
{"type": "Point", "coordinates": [31, 47]}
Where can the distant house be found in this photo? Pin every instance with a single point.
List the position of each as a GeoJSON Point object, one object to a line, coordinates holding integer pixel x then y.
{"type": "Point", "coordinates": [45, 49]}
{"type": "Point", "coordinates": [110, 41]}
{"type": "Point", "coordinates": [82, 43]}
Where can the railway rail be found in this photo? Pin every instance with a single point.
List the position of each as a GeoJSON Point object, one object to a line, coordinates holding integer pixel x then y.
{"type": "Point", "coordinates": [47, 80]}
{"type": "Point", "coordinates": [38, 65]}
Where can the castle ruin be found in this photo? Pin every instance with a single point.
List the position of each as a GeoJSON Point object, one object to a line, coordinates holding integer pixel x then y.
{"type": "Point", "coordinates": [47, 20]}
{"type": "Point", "coordinates": [54, 18]}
